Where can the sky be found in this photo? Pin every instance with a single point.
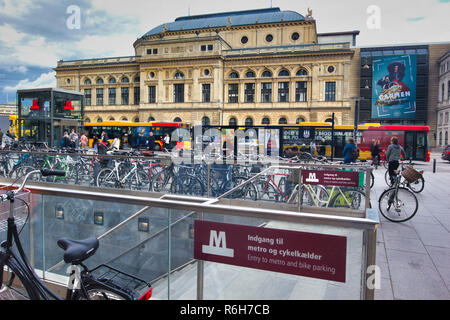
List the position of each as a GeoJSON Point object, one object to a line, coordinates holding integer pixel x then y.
{"type": "Point", "coordinates": [35, 34]}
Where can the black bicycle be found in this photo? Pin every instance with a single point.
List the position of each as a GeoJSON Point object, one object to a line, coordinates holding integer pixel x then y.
{"type": "Point", "coordinates": [20, 282]}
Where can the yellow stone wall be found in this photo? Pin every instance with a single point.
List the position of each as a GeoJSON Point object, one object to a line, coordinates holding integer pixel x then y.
{"type": "Point", "coordinates": [181, 52]}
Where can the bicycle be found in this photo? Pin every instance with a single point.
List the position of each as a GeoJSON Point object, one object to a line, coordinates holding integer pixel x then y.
{"type": "Point", "coordinates": [398, 204]}
{"type": "Point", "coordinates": [135, 179]}
{"type": "Point", "coordinates": [22, 282]}
{"type": "Point", "coordinates": [417, 183]}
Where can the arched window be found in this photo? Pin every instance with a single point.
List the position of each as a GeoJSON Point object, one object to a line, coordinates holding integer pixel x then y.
{"type": "Point", "coordinates": [136, 119]}
{"type": "Point", "coordinates": [150, 119]}
{"type": "Point", "coordinates": [87, 82]}
{"type": "Point", "coordinates": [124, 119]}
{"type": "Point", "coordinates": [302, 72]}
{"type": "Point", "coordinates": [284, 73]}
{"type": "Point", "coordinates": [440, 138]}
{"type": "Point", "coordinates": [329, 120]}
{"type": "Point", "coordinates": [267, 74]}
{"type": "Point", "coordinates": [112, 80]}
{"type": "Point", "coordinates": [446, 138]}
{"type": "Point", "coordinates": [250, 74]}
{"type": "Point", "coordinates": [232, 122]}
{"type": "Point", "coordinates": [87, 120]}
{"type": "Point", "coordinates": [177, 119]}
{"type": "Point", "coordinates": [249, 121]}
{"type": "Point", "coordinates": [125, 80]}
{"type": "Point", "coordinates": [99, 81]}
{"type": "Point", "coordinates": [300, 120]}
{"type": "Point", "coordinates": [282, 121]}
{"type": "Point", "coordinates": [179, 75]}
{"type": "Point", "coordinates": [234, 75]}
{"type": "Point", "coordinates": [99, 120]}
{"type": "Point", "coordinates": [137, 79]}
{"type": "Point", "coordinates": [111, 119]}
{"type": "Point", "coordinates": [265, 121]}
{"type": "Point", "coordinates": [206, 121]}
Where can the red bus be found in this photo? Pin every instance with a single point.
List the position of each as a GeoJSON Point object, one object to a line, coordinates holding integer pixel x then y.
{"type": "Point", "coordinates": [414, 139]}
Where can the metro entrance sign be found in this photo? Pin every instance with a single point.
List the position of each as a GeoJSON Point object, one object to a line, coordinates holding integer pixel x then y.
{"type": "Point", "coordinates": [305, 254]}
{"type": "Point", "coordinates": [331, 178]}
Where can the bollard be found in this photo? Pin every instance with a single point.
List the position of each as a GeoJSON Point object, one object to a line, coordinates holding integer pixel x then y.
{"type": "Point", "coordinates": [434, 165]}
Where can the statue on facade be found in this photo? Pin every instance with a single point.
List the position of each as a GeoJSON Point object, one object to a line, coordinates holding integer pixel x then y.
{"type": "Point", "coordinates": [309, 15]}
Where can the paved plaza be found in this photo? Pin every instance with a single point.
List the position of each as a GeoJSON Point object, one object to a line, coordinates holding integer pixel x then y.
{"type": "Point", "coordinates": [414, 256]}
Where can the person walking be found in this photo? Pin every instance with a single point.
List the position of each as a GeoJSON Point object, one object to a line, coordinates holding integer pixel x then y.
{"type": "Point", "coordinates": [1, 137]}
{"type": "Point", "coordinates": [84, 142]}
{"type": "Point", "coordinates": [73, 139]}
{"type": "Point", "coordinates": [151, 142]}
{"type": "Point", "coordinates": [166, 142]}
{"type": "Point", "coordinates": [375, 152]}
{"type": "Point", "coordinates": [393, 156]}
{"type": "Point", "coordinates": [350, 151]}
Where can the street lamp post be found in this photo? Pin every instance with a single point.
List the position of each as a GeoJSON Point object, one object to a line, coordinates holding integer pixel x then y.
{"type": "Point", "coordinates": [356, 122]}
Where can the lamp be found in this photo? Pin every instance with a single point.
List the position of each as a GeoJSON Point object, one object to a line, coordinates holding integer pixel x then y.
{"type": "Point", "coordinates": [191, 231]}
{"type": "Point", "coordinates": [59, 213]}
{"type": "Point", "coordinates": [98, 218]}
{"type": "Point", "coordinates": [143, 224]}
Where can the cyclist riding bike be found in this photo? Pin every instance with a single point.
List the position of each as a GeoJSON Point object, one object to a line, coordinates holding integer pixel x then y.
{"type": "Point", "coordinates": [393, 155]}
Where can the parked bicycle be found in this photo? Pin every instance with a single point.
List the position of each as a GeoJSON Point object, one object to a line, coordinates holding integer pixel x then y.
{"type": "Point", "coordinates": [22, 282]}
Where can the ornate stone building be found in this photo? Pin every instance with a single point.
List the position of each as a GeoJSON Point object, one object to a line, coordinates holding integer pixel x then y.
{"type": "Point", "coordinates": [247, 67]}
{"type": "Point", "coordinates": [443, 107]}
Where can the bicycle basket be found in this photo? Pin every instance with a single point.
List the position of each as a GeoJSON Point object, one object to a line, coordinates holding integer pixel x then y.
{"type": "Point", "coordinates": [411, 174]}
{"type": "Point", "coordinates": [20, 209]}
{"type": "Point", "coordinates": [117, 279]}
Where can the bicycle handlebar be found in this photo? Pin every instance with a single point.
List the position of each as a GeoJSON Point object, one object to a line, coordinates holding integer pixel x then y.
{"type": "Point", "coordinates": [44, 172]}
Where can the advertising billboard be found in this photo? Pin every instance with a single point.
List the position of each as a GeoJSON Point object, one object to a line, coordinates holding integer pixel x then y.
{"type": "Point", "coordinates": [394, 87]}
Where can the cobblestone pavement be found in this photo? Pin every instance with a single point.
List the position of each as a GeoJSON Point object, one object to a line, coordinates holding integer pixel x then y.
{"type": "Point", "coordinates": [414, 256]}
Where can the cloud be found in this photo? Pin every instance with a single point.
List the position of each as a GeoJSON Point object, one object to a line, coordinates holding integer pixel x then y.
{"type": "Point", "coordinates": [45, 80]}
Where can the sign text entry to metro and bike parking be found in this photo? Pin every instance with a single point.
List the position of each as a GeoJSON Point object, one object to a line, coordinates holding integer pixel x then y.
{"type": "Point", "coordinates": [331, 178]}
{"type": "Point", "coordinates": [305, 254]}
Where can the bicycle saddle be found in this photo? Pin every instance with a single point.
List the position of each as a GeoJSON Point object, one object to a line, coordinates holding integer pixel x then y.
{"type": "Point", "coordinates": [76, 251]}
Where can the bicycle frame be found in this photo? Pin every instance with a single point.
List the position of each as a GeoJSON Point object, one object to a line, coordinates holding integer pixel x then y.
{"type": "Point", "coordinates": [8, 256]}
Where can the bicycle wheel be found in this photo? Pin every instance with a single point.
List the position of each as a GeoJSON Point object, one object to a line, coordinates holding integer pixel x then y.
{"type": "Point", "coordinates": [400, 207]}
{"type": "Point", "coordinates": [268, 192]}
{"type": "Point", "coordinates": [417, 186]}
{"type": "Point", "coordinates": [372, 180]}
{"type": "Point", "coordinates": [96, 292]}
{"type": "Point", "coordinates": [387, 179]}
{"type": "Point", "coordinates": [21, 171]}
{"type": "Point", "coordinates": [15, 286]}
{"type": "Point", "coordinates": [246, 192]}
{"type": "Point", "coordinates": [106, 178]}
{"type": "Point", "coordinates": [161, 181]}
{"type": "Point", "coordinates": [318, 199]}
{"type": "Point", "coordinates": [187, 184]}
{"type": "Point", "coordinates": [138, 181]}
{"type": "Point", "coordinates": [351, 199]}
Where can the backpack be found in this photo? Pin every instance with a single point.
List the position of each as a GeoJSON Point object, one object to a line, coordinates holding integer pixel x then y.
{"type": "Point", "coordinates": [355, 153]}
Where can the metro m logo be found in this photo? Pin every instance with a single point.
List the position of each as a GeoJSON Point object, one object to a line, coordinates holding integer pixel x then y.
{"type": "Point", "coordinates": [218, 245]}
{"type": "Point", "coordinates": [312, 177]}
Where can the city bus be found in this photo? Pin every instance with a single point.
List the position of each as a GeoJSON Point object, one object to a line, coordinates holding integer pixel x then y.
{"type": "Point", "coordinates": [14, 125]}
{"type": "Point", "coordinates": [316, 137]}
{"type": "Point", "coordinates": [134, 134]}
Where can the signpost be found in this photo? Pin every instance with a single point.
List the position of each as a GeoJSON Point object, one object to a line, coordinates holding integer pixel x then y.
{"type": "Point", "coordinates": [312, 255]}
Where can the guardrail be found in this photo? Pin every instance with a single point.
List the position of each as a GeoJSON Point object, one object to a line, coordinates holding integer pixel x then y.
{"type": "Point", "coordinates": [127, 213]}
